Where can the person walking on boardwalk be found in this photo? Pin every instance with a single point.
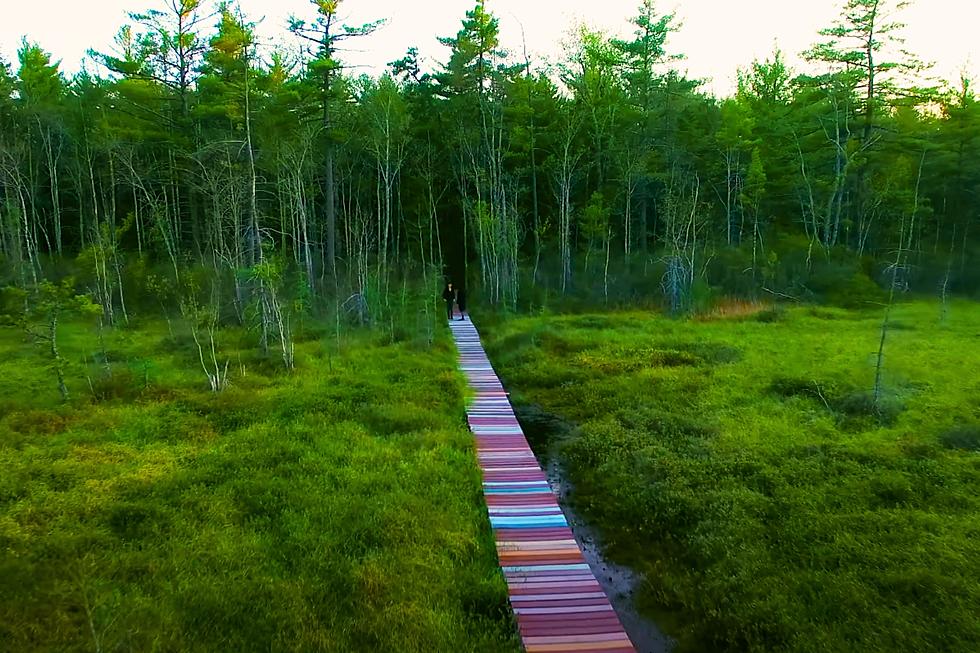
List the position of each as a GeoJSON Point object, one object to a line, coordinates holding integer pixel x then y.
{"type": "Point", "coordinates": [461, 302]}
{"type": "Point", "coordinates": [449, 294]}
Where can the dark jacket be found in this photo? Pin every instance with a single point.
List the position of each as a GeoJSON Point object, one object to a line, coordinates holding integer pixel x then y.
{"type": "Point", "coordinates": [449, 295]}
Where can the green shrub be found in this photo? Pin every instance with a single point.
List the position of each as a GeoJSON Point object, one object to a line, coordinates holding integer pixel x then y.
{"type": "Point", "coordinates": [386, 419]}
{"type": "Point", "coordinates": [796, 387]}
{"type": "Point", "coordinates": [136, 521]}
{"type": "Point", "coordinates": [120, 384]}
{"type": "Point", "coordinates": [963, 438]}
{"type": "Point", "coordinates": [846, 287]}
{"type": "Point", "coordinates": [860, 291]}
{"type": "Point", "coordinates": [703, 296]}
{"type": "Point", "coordinates": [892, 488]}
{"type": "Point", "coordinates": [770, 315]}
{"type": "Point", "coordinates": [674, 358]}
{"type": "Point", "coordinates": [37, 422]}
{"type": "Point", "coordinates": [731, 270]}
{"type": "Point", "coordinates": [850, 405]}
{"type": "Point", "coordinates": [857, 405]}
{"type": "Point", "coordinates": [716, 353]}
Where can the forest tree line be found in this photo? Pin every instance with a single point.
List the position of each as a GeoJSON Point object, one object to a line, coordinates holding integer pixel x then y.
{"type": "Point", "coordinates": [189, 154]}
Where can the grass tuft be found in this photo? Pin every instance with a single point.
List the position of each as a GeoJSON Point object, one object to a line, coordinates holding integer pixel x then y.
{"type": "Point", "coordinates": [862, 404]}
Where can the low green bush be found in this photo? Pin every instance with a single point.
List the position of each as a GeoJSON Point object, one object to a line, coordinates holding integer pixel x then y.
{"type": "Point", "coordinates": [846, 288]}
{"type": "Point", "coordinates": [770, 315]}
{"type": "Point", "coordinates": [963, 438]}
{"type": "Point", "coordinates": [857, 405]}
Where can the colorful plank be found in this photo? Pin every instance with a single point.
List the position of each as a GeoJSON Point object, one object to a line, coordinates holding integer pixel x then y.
{"type": "Point", "coordinates": [559, 605]}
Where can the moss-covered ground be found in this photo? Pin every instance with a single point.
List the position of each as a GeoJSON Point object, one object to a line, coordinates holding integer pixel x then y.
{"type": "Point", "coordinates": [336, 508]}
{"type": "Point", "coordinates": [742, 466]}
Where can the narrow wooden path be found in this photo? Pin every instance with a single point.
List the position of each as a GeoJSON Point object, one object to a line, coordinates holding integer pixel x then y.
{"type": "Point", "coordinates": [558, 603]}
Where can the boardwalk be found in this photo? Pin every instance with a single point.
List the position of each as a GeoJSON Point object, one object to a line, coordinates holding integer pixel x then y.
{"type": "Point", "coordinates": [558, 602]}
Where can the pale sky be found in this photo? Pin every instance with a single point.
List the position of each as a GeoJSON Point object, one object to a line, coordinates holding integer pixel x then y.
{"type": "Point", "coordinates": [717, 36]}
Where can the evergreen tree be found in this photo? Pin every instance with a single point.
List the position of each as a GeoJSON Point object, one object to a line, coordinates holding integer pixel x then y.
{"type": "Point", "coordinates": [325, 33]}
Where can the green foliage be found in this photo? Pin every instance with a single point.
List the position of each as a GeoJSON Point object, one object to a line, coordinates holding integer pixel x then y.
{"type": "Point", "coordinates": [40, 83]}
{"type": "Point", "coordinates": [965, 438]}
{"type": "Point", "coordinates": [860, 405]}
{"type": "Point", "coordinates": [334, 509]}
{"type": "Point", "coordinates": [854, 409]}
{"type": "Point", "coordinates": [743, 468]}
{"type": "Point", "coordinates": [214, 152]}
{"type": "Point", "coordinates": [769, 315]}
{"type": "Point", "coordinates": [842, 285]}
{"type": "Point", "coordinates": [702, 296]}
{"type": "Point", "coordinates": [474, 47]}
{"type": "Point", "coordinates": [49, 300]}
{"type": "Point", "coordinates": [595, 218]}
{"type": "Point", "coordinates": [39, 312]}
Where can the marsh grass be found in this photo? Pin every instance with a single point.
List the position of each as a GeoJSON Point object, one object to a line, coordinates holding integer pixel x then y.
{"type": "Point", "coordinates": [769, 503]}
{"type": "Point", "coordinates": [334, 509]}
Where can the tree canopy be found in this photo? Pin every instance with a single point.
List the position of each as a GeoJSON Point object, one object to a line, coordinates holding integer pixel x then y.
{"type": "Point", "coordinates": [191, 145]}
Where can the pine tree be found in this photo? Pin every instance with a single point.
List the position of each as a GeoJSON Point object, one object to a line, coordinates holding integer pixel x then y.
{"type": "Point", "coordinates": [324, 34]}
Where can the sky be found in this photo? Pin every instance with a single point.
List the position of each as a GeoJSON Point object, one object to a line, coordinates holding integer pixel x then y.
{"type": "Point", "coordinates": [717, 36]}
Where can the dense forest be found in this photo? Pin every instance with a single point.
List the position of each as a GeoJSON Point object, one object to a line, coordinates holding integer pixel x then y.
{"type": "Point", "coordinates": [188, 156]}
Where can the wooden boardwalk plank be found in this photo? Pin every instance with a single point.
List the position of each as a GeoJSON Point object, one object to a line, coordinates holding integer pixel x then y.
{"type": "Point", "coordinates": [559, 605]}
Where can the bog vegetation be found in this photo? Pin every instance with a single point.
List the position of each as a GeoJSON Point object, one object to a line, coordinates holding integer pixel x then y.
{"type": "Point", "coordinates": [741, 464]}
{"type": "Point", "coordinates": [334, 509]}
{"type": "Point", "coordinates": [229, 418]}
